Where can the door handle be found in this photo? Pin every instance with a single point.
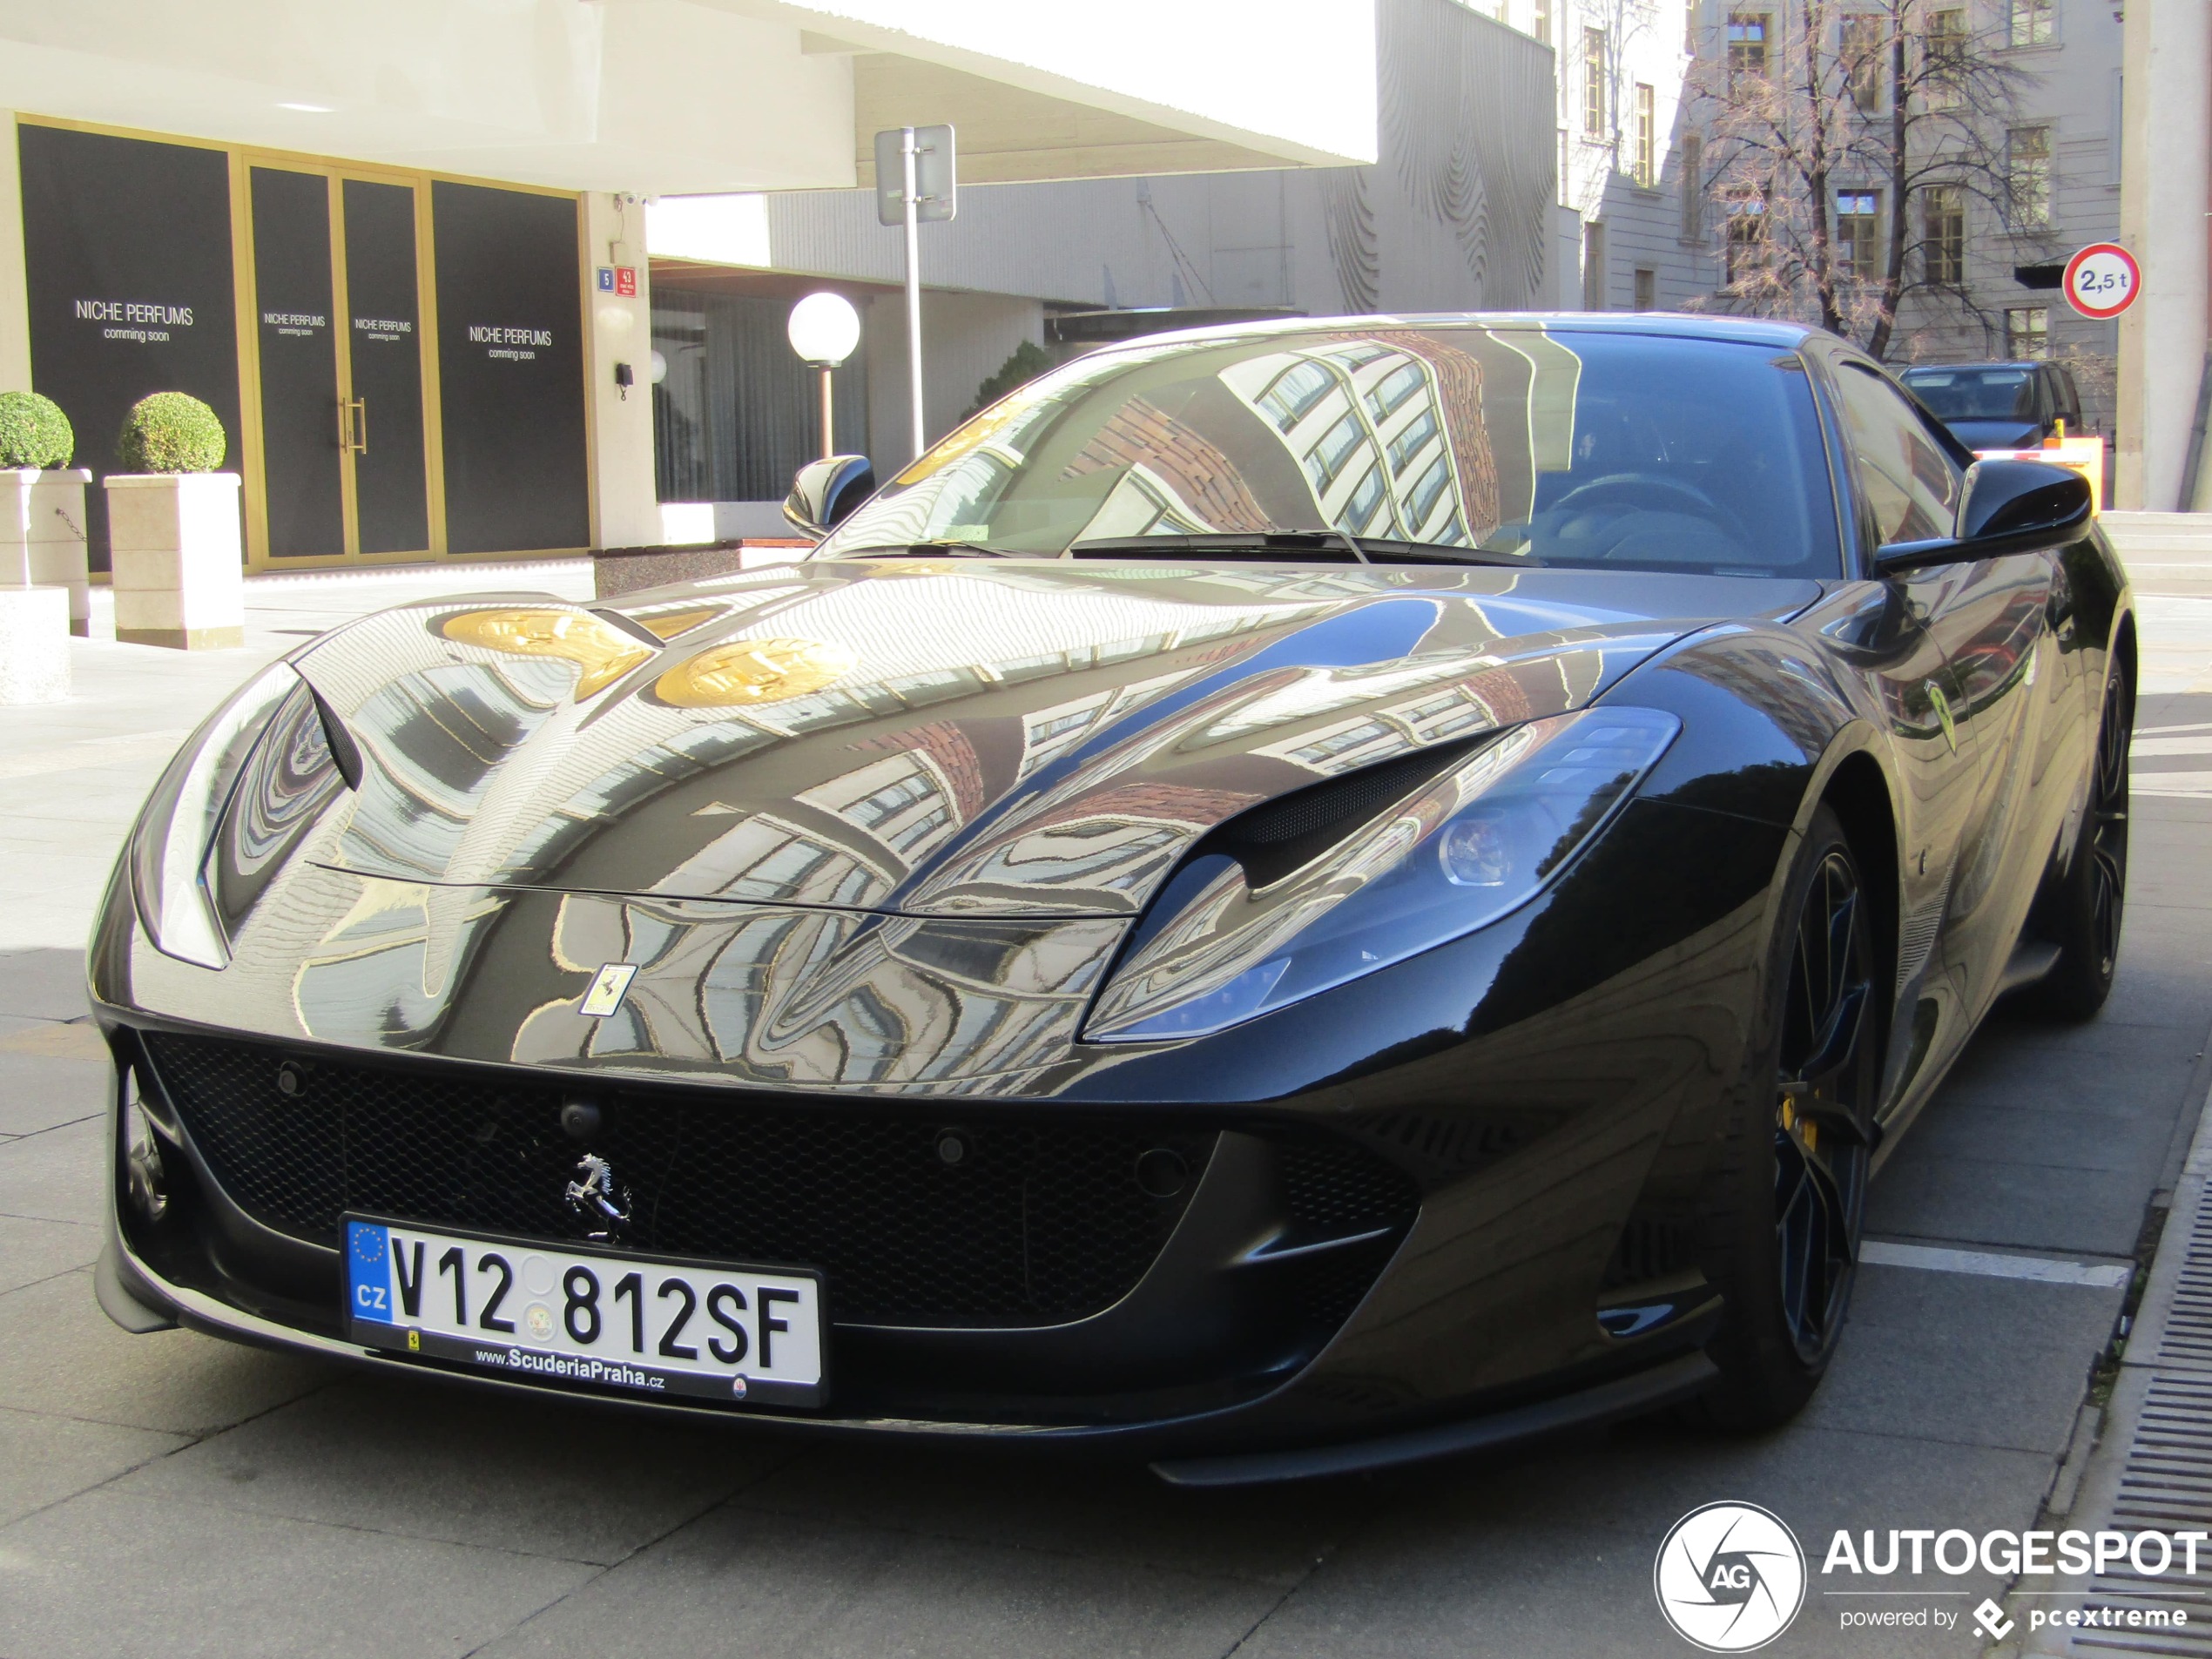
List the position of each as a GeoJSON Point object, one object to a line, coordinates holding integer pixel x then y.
{"type": "Point", "coordinates": [360, 441]}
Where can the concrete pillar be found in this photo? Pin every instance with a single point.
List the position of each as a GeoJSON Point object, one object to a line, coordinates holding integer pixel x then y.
{"type": "Point", "coordinates": [2165, 190]}
{"type": "Point", "coordinates": [15, 291]}
{"type": "Point", "coordinates": [620, 331]}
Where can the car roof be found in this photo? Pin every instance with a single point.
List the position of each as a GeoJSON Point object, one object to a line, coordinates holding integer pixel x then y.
{"type": "Point", "coordinates": [1753, 331]}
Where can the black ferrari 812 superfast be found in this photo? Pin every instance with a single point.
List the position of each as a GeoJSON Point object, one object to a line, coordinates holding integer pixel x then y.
{"type": "Point", "coordinates": [1287, 899]}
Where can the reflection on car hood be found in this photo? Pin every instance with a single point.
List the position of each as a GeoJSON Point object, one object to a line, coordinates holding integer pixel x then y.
{"type": "Point", "coordinates": [950, 737]}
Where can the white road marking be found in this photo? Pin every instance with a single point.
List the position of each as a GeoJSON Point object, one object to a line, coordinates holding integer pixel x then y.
{"type": "Point", "coordinates": [2172, 740]}
{"type": "Point", "coordinates": [2045, 1270]}
{"type": "Point", "coordinates": [2170, 785]}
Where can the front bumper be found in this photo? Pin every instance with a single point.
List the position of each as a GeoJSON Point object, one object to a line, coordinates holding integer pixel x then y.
{"type": "Point", "coordinates": [1207, 1361]}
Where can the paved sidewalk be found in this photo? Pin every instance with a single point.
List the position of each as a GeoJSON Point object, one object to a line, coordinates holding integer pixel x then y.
{"type": "Point", "coordinates": [172, 1494]}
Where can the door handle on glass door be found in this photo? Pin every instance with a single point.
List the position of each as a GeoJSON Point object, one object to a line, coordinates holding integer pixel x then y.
{"type": "Point", "coordinates": [360, 444]}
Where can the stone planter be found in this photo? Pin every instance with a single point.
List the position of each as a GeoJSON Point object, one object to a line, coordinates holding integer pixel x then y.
{"type": "Point", "coordinates": [34, 645]}
{"type": "Point", "coordinates": [42, 526]}
{"type": "Point", "coordinates": [178, 560]}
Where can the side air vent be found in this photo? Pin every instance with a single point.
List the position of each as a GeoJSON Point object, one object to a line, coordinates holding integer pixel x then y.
{"type": "Point", "coordinates": [1272, 840]}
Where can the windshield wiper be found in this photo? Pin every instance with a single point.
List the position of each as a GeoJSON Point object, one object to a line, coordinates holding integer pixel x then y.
{"type": "Point", "coordinates": [1325, 546]}
{"type": "Point", "coordinates": [942, 549]}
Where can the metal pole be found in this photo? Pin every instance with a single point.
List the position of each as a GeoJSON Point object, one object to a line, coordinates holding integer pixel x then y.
{"type": "Point", "coordinates": [911, 152]}
{"type": "Point", "coordinates": [829, 431]}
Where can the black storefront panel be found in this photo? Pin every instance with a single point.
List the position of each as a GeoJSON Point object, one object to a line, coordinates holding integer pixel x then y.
{"type": "Point", "coordinates": [127, 250]}
{"type": "Point", "coordinates": [511, 369]}
{"type": "Point", "coordinates": [293, 317]}
{"type": "Point", "coordinates": [390, 490]}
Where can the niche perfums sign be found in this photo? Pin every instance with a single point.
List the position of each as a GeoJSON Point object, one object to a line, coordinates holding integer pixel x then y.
{"type": "Point", "coordinates": [516, 345]}
{"type": "Point", "coordinates": [139, 320]}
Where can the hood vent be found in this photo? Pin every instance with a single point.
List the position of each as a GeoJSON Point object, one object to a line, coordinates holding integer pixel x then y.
{"type": "Point", "coordinates": [1272, 840]}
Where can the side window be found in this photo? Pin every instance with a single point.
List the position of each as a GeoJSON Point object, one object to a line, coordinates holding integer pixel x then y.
{"type": "Point", "coordinates": [1912, 484]}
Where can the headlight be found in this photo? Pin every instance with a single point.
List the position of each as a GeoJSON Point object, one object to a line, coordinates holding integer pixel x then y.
{"type": "Point", "coordinates": [169, 846]}
{"type": "Point", "coordinates": [1477, 843]}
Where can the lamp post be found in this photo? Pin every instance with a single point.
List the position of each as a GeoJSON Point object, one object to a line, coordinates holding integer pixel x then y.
{"type": "Point", "coordinates": [824, 328]}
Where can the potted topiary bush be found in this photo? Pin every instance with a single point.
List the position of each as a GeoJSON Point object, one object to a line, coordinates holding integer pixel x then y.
{"type": "Point", "coordinates": [173, 528]}
{"type": "Point", "coordinates": [41, 549]}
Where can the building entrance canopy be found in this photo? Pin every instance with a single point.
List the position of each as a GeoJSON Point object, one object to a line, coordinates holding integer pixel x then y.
{"type": "Point", "coordinates": [669, 97]}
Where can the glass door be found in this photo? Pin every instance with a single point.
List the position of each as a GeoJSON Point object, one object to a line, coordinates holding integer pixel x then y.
{"type": "Point", "coordinates": [384, 359]}
{"type": "Point", "coordinates": [338, 303]}
{"type": "Point", "coordinates": [295, 307]}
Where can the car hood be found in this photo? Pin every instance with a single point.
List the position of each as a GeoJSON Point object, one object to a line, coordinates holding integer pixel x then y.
{"type": "Point", "coordinates": [937, 737]}
{"type": "Point", "coordinates": [1997, 434]}
{"type": "Point", "coordinates": [871, 826]}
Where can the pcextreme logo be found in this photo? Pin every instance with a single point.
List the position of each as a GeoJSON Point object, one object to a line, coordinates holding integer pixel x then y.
{"type": "Point", "coordinates": [1729, 1577]}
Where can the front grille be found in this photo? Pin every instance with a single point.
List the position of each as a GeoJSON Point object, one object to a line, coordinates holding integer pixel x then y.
{"type": "Point", "coordinates": [1036, 1223]}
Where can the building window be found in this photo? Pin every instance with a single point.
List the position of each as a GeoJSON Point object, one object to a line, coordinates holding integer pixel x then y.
{"type": "Point", "coordinates": [1388, 395]}
{"type": "Point", "coordinates": [1942, 228]}
{"type": "Point", "coordinates": [1593, 82]}
{"type": "Point", "coordinates": [1689, 26]}
{"type": "Point", "coordinates": [1860, 42]}
{"type": "Point", "coordinates": [2028, 166]}
{"type": "Point", "coordinates": [1327, 461]}
{"type": "Point", "coordinates": [2027, 333]}
{"type": "Point", "coordinates": [1543, 30]}
{"type": "Point", "coordinates": [2032, 21]}
{"type": "Point", "coordinates": [1647, 137]}
{"type": "Point", "coordinates": [1746, 234]}
{"type": "Point", "coordinates": [1693, 187]}
{"type": "Point", "coordinates": [1946, 60]}
{"type": "Point", "coordinates": [1647, 290]}
{"type": "Point", "coordinates": [1594, 265]}
{"type": "Point", "coordinates": [1859, 230]}
{"type": "Point", "coordinates": [1292, 393]}
{"type": "Point", "coordinates": [1747, 38]}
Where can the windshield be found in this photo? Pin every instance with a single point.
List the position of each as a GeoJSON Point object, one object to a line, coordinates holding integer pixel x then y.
{"type": "Point", "coordinates": [1974, 394]}
{"type": "Point", "coordinates": [1560, 446]}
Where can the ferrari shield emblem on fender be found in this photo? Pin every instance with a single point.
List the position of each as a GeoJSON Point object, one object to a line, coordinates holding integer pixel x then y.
{"type": "Point", "coordinates": [607, 987]}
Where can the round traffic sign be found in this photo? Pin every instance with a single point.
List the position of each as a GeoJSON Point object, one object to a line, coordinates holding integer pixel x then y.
{"type": "Point", "coordinates": [2101, 279]}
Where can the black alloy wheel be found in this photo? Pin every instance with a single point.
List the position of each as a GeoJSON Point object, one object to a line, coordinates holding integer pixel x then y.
{"type": "Point", "coordinates": [1785, 1189]}
{"type": "Point", "coordinates": [2084, 913]}
{"type": "Point", "coordinates": [1822, 1105]}
{"type": "Point", "coordinates": [2107, 826]}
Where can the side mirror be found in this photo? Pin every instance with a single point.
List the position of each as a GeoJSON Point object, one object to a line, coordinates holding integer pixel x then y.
{"type": "Point", "coordinates": [823, 493]}
{"type": "Point", "coordinates": [2011, 507]}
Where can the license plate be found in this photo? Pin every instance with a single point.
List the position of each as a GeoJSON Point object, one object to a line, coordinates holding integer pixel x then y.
{"type": "Point", "coordinates": [573, 1314]}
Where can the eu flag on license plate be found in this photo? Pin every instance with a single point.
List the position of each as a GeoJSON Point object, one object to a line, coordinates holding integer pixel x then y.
{"type": "Point", "coordinates": [369, 1266]}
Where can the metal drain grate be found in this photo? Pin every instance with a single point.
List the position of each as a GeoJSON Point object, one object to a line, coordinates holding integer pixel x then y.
{"type": "Point", "coordinates": [2163, 1482]}
{"type": "Point", "coordinates": [2166, 1486]}
{"type": "Point", "coordinates": [2186, 1343]}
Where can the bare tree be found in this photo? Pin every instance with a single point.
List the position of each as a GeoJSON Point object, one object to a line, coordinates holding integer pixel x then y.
{"type": "Point", "coordinates": [1844, 143]}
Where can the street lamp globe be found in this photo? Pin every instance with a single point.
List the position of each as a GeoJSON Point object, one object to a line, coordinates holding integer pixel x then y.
{"type": "Point", "coordinates": [824, 328]}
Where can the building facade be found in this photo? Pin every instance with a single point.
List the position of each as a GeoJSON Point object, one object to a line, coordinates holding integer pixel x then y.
{"type": "Point", "coordinates": [401, 251]}
{"type": "Point", "coordinates": [1645, 226]}
{"type": "Point", "coordinates": [1457, 213]}
{"type": "Point", "coordinates": [1625, 241]}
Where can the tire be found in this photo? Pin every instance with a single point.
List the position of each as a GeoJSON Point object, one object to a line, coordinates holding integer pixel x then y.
{"type": "Point", "coordinates": [2092, 898]}
{"type": "Point", "coordinates": [1788, 1188]}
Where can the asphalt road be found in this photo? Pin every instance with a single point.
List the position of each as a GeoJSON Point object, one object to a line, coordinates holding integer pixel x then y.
{"type": "Point", "coordinates": [172, 1494]}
